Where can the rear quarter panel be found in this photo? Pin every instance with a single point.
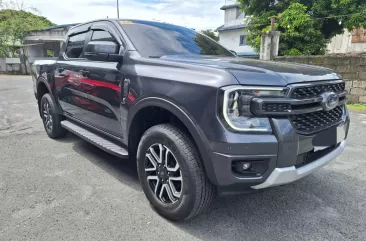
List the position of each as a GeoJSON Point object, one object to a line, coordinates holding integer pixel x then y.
{"type": "Point", "coordinates": [43, 71]}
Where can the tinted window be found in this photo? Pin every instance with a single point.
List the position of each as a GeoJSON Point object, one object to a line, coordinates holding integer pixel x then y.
{"type": "Point", "coordinates": [102, 36]}
{"type": "Point", "coordinates": [153, 39]}
{"type": "Point", "coordinates": [75, 45]}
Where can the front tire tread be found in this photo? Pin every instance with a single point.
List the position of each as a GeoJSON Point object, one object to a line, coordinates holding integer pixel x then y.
{"type": "Point", "coordinates": [205, 190]}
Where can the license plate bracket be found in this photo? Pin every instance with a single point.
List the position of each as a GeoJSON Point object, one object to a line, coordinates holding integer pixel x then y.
{"type": "Point", "coordinates": [330, 137]}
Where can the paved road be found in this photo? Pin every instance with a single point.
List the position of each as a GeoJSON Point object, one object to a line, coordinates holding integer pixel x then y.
{"type": "Point", "coordinates": [69, 190]}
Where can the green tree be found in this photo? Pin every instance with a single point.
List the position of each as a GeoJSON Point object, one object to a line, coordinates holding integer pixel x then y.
{"type": "Point", "coordinates": [306, 26]}
{"type": "Point", "coordinates": [14, 24]}
{"type": "Point", "coordinates": [210, 34]}
{"type": "Point", "coordinates": [207, 48]}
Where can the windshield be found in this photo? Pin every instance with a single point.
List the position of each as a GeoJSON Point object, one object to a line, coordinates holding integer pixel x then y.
{"type": "Point", "coordinates": [153, 39]}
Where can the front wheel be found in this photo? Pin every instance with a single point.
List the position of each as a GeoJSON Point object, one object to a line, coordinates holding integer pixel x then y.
{"type": "Point", "coordinates": [171, 173]}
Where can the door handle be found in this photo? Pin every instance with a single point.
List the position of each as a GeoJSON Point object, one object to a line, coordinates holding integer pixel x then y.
{"type": "Point", "coordinates": [125, 89]}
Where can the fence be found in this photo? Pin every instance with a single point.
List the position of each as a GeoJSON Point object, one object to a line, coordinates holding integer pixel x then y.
{"type": "Point", "coordinates": [351, 67]}
{"type": "Point", "coordinates": [12, 66]}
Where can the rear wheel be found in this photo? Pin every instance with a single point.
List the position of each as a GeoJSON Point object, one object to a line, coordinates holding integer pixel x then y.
{"type": "Point", "coordinates": [171, 173]}
{"type": "Point", "coordinates": [51, 119]}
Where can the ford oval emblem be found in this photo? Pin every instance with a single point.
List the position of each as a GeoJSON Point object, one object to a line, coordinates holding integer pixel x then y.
{"type": "Point", "coordinates": [330, 100]}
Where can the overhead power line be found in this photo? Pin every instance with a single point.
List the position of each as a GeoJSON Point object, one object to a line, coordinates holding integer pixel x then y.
{"type": "Point", "coordinates": [344, 15]}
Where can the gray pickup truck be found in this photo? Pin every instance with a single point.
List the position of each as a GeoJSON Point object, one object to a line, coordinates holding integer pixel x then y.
{"type": "Point", "coordinates": [196, 119]}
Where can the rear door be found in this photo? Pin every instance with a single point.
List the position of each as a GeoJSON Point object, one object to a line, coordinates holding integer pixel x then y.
{"type": "Point", "coordinates": [69, 72]}
{"type": "Point", "coordinates": [93, 87]}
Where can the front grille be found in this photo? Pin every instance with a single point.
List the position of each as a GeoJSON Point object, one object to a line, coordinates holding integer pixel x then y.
{"type": "Point", "coordinates": [316, 121]}
{"type": "Point", "coordinates": [316, 90]}
{"type": "Point", "coordinates": [275, 107]}
{"type": "Point", "coordinates": [304, 106]}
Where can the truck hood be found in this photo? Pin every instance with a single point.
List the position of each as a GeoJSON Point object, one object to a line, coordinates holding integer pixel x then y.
{"type": "Point", "coordinates": [256, 72]}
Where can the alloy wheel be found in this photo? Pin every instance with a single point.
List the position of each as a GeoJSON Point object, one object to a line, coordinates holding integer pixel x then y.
{"type": "Point", "coordinates": [163, 174]}
{"type": "Point", "coordinates": [47, 116]}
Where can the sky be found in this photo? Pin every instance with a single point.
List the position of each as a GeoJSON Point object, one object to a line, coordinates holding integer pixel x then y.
{"type": "Point", "coordinates": [198, 14]}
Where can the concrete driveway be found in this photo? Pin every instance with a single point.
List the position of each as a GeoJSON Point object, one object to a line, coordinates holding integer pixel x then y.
{"type": "Point", "coordinates": [69, 190]}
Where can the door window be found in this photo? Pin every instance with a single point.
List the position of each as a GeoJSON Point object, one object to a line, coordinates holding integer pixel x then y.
{"type": "Point", "coordinates": [100, 35]}
{"type": "Point", "coordinates": [75, 45]}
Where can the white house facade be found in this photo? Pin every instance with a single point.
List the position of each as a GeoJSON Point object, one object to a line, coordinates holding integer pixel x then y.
{"type": "Point", "coordinates": [232, 34]}
{"type": "Point", "coordinates": [348, 42]}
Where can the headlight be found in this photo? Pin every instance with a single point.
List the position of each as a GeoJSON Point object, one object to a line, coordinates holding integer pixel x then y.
{"type": "Point", "coordinates": [236, 107]}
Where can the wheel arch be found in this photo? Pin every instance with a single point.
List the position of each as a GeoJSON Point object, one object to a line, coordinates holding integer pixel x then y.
{"type": "Point", "coordinates": [43, 88]}
{"type": "Point", "coordinates": [184, 117]}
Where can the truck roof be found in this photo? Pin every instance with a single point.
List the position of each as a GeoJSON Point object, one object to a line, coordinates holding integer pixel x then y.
{"type": "Point", "coordinates": [122, 19]}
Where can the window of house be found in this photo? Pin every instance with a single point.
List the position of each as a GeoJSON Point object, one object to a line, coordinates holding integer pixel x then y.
{"type": "Point", "coordinates": [75, 45]}
{"type": "Point", "coordinates": [101, 35]}
{"type": "Point", "coordinates": [243, 40]}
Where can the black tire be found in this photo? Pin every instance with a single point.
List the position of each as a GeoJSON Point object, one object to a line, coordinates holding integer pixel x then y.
{"type": "Point", "coordinates": [197, 191]}
{"type": "Point", "coordinates": [55, 130]}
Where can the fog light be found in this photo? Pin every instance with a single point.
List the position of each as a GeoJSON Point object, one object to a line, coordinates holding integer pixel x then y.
{"type": "Point", "coordinates": [250, 168]}
{"type": "Point", "coordinates": [246, 166]}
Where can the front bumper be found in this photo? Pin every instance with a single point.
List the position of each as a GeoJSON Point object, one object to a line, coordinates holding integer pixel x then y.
{"type": "Point", "coordinates": [285, 151]}
{"type": "Point", "coordinates": [280, 176]}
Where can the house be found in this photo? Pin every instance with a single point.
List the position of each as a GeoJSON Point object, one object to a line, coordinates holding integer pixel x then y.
{"type": "Point", "coordinates": [45, 43]}
{"type": "Point", "coordinates": [38, 44]}
{"type": "Point", "coordinates": [232, 34]}
{"type": "Point", "coordinates": [348, 42]}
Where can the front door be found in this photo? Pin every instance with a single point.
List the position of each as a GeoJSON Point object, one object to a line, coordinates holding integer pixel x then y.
{"type": "Point", "coordinates": [88, 90]}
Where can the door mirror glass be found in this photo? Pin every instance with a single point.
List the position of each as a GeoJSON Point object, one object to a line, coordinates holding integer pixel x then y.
{"type": "Point", "coordinates": [103, 51]}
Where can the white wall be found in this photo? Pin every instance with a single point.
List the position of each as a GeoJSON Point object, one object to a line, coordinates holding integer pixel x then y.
{"type": "Point", "coordinates": [230, 14]}
{"type": "Point", "coordinates": [343, 44]}
{"type": "Point", "coordinates": [50, 35]}
{"type": "Point", "coordinates": [35, 50]}
{"type": "Point", "coordinates": [2, 65]}
{"type": "Point", "coordinates": [11, 66]}
{"type": "Point", "coordinates": [39, 51]}
{"type": "Point", "coordinates": [231, 40]}
{"type": "Point", "coordinates": [231, 17]}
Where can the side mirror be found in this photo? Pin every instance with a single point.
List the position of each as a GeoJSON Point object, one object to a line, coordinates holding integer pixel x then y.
{"type": "Point", "coordinates": [103, 51]}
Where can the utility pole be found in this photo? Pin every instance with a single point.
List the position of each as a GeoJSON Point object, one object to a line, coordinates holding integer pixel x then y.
{"type": "Point", "coordinates": [117, 9]}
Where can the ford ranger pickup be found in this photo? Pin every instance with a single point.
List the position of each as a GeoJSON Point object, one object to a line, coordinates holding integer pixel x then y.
{"type": "Point", "coordinates": [198, 120]}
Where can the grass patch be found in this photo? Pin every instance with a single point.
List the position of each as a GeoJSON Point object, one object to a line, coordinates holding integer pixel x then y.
{"type": "Point", "coordinates": [357, 107]}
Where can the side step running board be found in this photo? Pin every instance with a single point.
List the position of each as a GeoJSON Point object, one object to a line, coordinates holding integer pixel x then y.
{"type": "Point", "coordinates": [95, 139]}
